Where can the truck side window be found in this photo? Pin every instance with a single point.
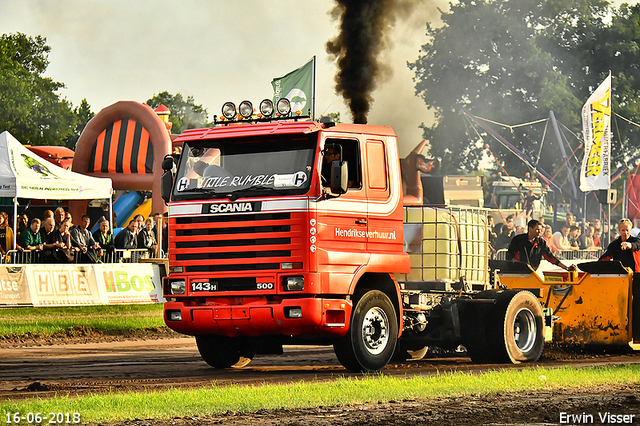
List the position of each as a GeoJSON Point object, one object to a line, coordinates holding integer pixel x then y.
{"type": "Point", "coordinates": [350, 154]}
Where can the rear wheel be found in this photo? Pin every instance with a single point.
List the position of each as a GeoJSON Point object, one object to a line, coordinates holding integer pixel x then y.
{"type": "Point", "coordinates": [371, 340]}
{"type": "Point", "coordinates": [516, 327]}
{"type": "Point", "coordinates": [225, 352]}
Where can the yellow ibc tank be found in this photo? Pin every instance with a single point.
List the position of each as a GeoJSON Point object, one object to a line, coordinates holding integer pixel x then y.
{"type": "Point", "coordinates": [446, 243]}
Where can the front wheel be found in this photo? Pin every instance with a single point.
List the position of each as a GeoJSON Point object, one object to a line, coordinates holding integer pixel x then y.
{"type": "Point", "coordinates": [225, 352]}
{"type": "Point", "coordinates": [371, 340]}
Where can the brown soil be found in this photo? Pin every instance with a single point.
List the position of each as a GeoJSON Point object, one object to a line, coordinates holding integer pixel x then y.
{"type": "Point", "coordinates": [83, 334]}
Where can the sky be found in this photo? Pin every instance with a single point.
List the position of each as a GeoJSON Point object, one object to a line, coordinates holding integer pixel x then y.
{"type": "Point", "coordinates": [111, 50]}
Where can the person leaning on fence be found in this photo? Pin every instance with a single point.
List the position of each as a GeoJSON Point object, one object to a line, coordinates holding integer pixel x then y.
{"type": "Point", "coordinates": [104, 238]}
{"type": "Point", "coordinates": [147, 238]}
{"type": "Point", "coordinates": [547, 237]}
{"type": "Point", "coordinates": [626, 249]}
{"type": "Point", "coordinates": [586, 240]}
{"type": "Point", "coordinates": [574, 235]}
{"type": "Point", "coordinates": [530, 248]}
{"type": "Point", "coordinates": [90, 250]}
{"type": "Point", "coordinates": [561, 238]}
{"type": "Point", "coordinates": [59, 215]}
{"type": "Point", "coordinates": [30, 238]}
{"type": "Point", "coordinates": [23, 224]}
{"type": "Point", "coordinates": [59, 240]}
{"type": "Point", "coordinates": [504, 239]}
{"type": "Point", "coordinates": [6, 234]}
{"type": "Point", "coordinates": [126, 238]}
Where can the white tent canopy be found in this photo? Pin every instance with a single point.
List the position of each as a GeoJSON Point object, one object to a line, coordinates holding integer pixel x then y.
{"type": "Point", "coordinates": [23, 174]}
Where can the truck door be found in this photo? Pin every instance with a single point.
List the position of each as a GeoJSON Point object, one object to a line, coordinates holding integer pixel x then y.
{"type": "Point", "coordinates": [384, 213]}
{"type": "Point", "coordinates": [342, 221]}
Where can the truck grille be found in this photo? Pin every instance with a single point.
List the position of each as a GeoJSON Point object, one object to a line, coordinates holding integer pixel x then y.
{"type": "Point", "coordinates": [242, 242]}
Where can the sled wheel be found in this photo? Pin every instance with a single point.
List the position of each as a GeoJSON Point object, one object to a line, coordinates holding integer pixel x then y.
{"type": "Point", "coordinates": [224, 352]}
{"type": "Point", "coordinates": [516, 327]}
{"type": "Point", "coordinates": [371, 340]}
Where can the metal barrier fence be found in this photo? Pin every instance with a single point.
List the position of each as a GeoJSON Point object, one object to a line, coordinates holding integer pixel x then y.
{"type": "Point", "coordinates": [585, 255]}
{"type": "Point", "coordinates": [37, 256]}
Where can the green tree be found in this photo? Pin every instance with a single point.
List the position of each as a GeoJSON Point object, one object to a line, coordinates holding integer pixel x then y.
{"type": "Point", "coordinates": [185, 114]}
{"type": "Point", "coordinates": [510, 61]}
{"type": "Point", "coordinates": [83, 114]}
{"type": "Point", "coordinates": [30, 108]}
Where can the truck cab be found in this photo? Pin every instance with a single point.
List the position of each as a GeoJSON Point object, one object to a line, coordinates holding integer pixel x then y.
{"type": "Point", "coordinates": [286, 232]}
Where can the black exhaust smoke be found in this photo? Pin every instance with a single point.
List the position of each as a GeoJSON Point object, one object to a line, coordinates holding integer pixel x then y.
{"type": "Point", "coordinates": [363, 24]}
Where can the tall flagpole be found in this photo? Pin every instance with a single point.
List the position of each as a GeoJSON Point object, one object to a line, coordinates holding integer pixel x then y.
{"type": "Point", "coordinates": [313, 90]}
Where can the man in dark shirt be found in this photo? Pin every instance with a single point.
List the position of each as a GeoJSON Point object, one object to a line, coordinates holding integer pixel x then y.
{"type": "Point", "coordinates": [530, 248]}
{"type": "Point", "coordinates": [626, 249]}
{"type": "Point", "coordinates": [126, 238]}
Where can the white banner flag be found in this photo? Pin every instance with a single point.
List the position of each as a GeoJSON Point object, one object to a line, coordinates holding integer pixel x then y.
{"type": "Point", "coordinates": [596, 127]}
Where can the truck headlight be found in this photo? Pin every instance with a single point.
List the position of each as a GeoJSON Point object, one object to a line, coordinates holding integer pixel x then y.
{"type": "Point", "coordinates": [177, 287]}
{"type": "Point", "coordinates": [293, 283]}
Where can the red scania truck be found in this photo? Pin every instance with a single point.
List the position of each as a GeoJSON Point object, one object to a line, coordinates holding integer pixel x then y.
{"type": "Point", "coordinates": [292, 231]}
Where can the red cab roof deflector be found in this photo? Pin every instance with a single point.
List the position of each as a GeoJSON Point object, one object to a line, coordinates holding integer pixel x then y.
{"type": "Point", "coordinates": [276, 128]}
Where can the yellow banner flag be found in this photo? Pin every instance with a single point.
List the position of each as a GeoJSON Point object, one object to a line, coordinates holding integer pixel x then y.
{"type": "Point", "coordinates": [596, 128]}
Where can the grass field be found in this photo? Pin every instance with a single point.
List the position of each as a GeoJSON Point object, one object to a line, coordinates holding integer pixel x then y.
{"type": "Point", "coordinates": [214, 400]}
{"type": "Point", "coordinates": [50, 320]}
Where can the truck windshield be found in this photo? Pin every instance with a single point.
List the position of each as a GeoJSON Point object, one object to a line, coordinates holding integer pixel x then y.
{"type": "Point", "coordinates": [233, 168]}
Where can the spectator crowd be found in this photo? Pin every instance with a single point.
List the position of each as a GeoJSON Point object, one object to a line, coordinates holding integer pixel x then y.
{"type": "Point", "coordinates": [571, 235]}
{"type": "Point", "coordinates": [55, 238]}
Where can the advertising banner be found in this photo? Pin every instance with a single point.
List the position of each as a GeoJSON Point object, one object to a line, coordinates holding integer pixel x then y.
{"type": "Point", "coordinates": [73, 285]}
{"type": "Point", "coordinates": [596, 128]}
{"type": "Point", "coordinates": [129, 283]}
{"type": "Point", "coordinates": [61, 285]}
{"type": "Point", "coordinates": [14, 288]}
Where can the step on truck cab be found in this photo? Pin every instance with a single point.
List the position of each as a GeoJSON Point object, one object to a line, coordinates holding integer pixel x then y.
{"type": "Point", "coordinates": [291, 232]}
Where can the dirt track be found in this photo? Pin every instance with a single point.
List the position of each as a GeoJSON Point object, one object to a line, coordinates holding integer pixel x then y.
{"type": "Point", "coordinates": [79, 368]}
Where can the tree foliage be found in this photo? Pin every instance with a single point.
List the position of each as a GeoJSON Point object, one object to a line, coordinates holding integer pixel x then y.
{"type": "Point", "coordinates": [30, 108]}
{"type": "Point", "coordinates": [185, 114]}
{"type": "Point", "coordinates": [512, 61]}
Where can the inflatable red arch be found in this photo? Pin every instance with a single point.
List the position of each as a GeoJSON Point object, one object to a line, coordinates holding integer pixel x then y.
{"type": "Point", "coordinates": [126, 142]}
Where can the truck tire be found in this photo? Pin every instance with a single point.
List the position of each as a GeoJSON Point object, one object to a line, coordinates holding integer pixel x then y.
{"type": "Point", "coordinates": [371, 340]}
{"type": "Point", "coordinates": [224, 352]}
{"type": "Point", "coordinates": [515, 327]}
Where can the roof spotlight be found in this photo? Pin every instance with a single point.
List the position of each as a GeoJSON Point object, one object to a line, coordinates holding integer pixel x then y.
{"type": "Point", "coordinates": [266, 108]}
{"type": "Point", "coordinates": [229, 110]}
{"type": "Point", "coordinates": [246, 109]}
{"type": "Point", "coordinates": [283, 106]}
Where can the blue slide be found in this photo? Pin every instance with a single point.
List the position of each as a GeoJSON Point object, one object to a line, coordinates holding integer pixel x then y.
{"type": "Point", "coordinates": [125, 205]}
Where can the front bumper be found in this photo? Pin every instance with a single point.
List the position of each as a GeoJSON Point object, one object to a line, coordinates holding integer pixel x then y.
{"type": "Point", "coordinates": [320, 318]}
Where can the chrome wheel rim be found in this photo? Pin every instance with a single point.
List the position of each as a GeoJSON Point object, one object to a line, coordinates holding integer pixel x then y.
{"type": "Point", "coordinates": [375, 330]}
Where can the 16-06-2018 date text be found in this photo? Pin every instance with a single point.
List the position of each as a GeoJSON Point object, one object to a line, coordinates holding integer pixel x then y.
{"type": "Point", "coordinates": [50, 418]}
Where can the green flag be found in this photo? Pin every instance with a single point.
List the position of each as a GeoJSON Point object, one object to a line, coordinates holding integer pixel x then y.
{"type": "Point", "coordinates": [297, 86]}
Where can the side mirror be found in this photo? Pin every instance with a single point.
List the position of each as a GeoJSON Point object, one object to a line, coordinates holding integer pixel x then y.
{"type": "Point", "coordinates": [339, 177]}
{"type": "Point", "coordinates": [167, 163]}
{"type": "Point", "coordinates": [166, 184]}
